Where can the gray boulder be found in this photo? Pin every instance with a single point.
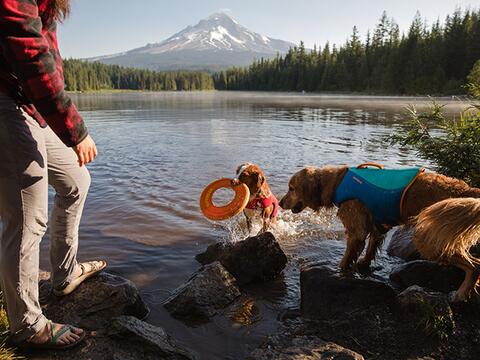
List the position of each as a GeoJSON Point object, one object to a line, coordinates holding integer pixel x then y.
{"type": "Point", "coordinates": [305, 348]}
{"type": "Point", "coordinates": [427, 274]}
{"type": "Point", "coordinates": [401, 244]}
{"type": "Point", "coordinates": [427, 311]}
{"type": "Point", "coordinates": [255, 259]}
{"type": "Point", "coordinates": [136, 339]}
{"type": "Point", "coordinates": [327, 293]}
{"type": "Point", "coordinates": [209, 290]}
{"type": "Point", "coordinates": [94, 303]}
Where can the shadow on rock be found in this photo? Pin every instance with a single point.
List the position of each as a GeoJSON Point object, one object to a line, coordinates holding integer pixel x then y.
{"type": "Point", "coordinates": [327, 293]}
{"type": "Point", "coordinates": [209, 290]}
{"type": "Point", "coordinates": [427, 274]}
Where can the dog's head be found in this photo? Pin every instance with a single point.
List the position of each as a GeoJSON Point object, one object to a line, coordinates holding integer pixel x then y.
{"type": "Point", "coordinates": [252, 176]}
{"type": "Point", "coordinates": [304, 191]}
{"type": "Point", "coordinates": [313, 188]}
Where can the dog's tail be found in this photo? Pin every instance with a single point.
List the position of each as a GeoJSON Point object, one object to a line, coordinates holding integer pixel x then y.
{"type": "Point", "coordinates": [447, 228]}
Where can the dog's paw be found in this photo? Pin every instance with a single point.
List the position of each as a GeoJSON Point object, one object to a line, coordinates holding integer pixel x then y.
{"type": "Point", "coordinates": [235, 182]}
{"type": "Point", "coordinates": [363, 265]}
{"type": "Point", "coordinates": [344, 266]}
{"type": "Point", "coordinates": [346, 269]}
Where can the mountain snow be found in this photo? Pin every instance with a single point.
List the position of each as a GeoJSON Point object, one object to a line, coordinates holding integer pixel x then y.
{"type": "Point", "coordinates": [215, 42]}
{"type": "Point", "coordinates": [217, 32]}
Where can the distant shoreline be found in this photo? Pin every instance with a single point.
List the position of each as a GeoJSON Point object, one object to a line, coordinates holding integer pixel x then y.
{"type": "Point", "coordinates": [283, 92]}
{"type": "Point", "coordinates": [349, 101]}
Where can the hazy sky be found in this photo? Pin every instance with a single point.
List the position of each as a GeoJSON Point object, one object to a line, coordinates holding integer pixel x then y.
{"type": "Point", "coordinates": [100, 27]}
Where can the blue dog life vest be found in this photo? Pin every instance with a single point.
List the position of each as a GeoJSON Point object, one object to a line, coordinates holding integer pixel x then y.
{"type": "Point", "coordinates": [380, 190]}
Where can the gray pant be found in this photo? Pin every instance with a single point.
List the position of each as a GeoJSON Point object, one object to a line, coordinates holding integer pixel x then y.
{"type": "Point", "coordinates": [30, 159]}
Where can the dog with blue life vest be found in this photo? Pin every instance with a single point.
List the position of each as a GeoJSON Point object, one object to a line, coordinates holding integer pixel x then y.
{"type": "Point", "coordinates": [445, 212]}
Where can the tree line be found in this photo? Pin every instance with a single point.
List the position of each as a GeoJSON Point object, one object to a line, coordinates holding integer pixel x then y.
{"type": "Point", "coordinates": [86, 76]}
{"type": "Point", "coordinates": [427, 59]}
{"type": "Point", "coordinates": [433, 59]}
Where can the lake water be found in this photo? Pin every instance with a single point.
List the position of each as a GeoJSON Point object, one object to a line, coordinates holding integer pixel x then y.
{"type": "Point", "coordinates": [159, 150]}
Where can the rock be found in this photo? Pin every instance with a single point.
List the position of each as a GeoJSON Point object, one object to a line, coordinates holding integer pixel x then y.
{"type": "Point", "coordinates": [109, 308]}
{"type": "Point", "coordinates": [147, 341]}
{"type": "Point", "coordinates": [401, 244]}
{"type": "Point", "coordinates": [305, 348]}
{"type": "Point", "coordinates": [255, 259]}
{"type": "Point", "coordinates": [126, 338]}
{"type": "Point", "coordinates": [428, 312]}
{"type": "Point", "coordinates": [326, 293]}
{"type": "Point", "coordinates": [210, 289]}
{"type": "Point", "coordinates": [428, 275]}
{"type": "Point", "coordinates": [94, 303]}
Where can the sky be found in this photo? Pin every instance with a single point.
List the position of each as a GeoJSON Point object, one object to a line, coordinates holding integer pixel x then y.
{"type": "Point", "coordinates": [102, 27]}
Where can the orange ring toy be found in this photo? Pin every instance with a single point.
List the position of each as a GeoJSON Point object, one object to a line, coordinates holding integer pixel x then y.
{"type": "Point", "coordinates": [235, 207]}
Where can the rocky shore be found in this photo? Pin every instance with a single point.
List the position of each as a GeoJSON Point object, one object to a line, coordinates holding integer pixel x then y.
{"type": "Point", "coordinates": [111, 310]}
{"type": "Point", "coordinates": [405, 315]}
{"type": "Point", "coordinates": [366, 316]}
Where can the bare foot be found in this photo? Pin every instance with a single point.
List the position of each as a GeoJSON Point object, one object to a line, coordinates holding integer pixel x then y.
{"type": "Point", "coordinates": [45, 335]}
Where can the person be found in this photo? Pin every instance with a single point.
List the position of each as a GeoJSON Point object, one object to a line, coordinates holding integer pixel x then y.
{"type": "Point", "coordinates": [43, 140]}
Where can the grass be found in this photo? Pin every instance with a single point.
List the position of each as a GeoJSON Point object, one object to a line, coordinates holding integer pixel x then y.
{"type": "Point", "coordinates": [431, 321]}
{"type": "Point", "coordinates": [5, 352]}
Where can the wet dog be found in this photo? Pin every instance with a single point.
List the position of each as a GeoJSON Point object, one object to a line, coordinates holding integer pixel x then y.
{"type": "Point", "coordinates": [315, 188]}
{"type": "Point", "coordinates": [445, 232]}
{"type": "Point", "coordinates": [262, 201]}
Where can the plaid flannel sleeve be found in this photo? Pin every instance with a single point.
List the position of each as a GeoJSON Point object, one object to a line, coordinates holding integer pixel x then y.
{"type": "Point", "coordinates": [34, 62]}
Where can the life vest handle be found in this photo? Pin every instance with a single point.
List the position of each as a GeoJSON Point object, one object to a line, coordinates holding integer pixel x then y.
{"type": "Point", "coordinates": [373, 164]}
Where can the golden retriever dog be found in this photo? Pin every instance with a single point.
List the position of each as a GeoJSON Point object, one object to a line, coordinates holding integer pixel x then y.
{"type": "Point", "coordinates": [445, 232]}
{"type": "Point", "coordinates": [315, 188]}
{"type": "Point", "coordinates": [262, 200]}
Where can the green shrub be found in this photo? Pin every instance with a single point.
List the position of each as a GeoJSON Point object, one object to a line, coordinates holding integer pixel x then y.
{"type": "Point", "coordinates": [451, 143]}
{"type": "Point", "coordinates": [474, 81]}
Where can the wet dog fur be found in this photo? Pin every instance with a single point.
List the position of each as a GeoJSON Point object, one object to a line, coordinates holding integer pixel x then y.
{"type": "Point", "coordinates": [445, 232]}
{"type": "Point", "coordinates": [314, 188]}
{"type": "Point", "coordinates": [252, 176]}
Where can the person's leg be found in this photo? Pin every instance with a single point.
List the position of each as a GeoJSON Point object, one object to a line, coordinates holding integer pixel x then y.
{"type": "Point", "coordinates": [71, 183]}
{"type": "Point", "coordinates": [23, 210]}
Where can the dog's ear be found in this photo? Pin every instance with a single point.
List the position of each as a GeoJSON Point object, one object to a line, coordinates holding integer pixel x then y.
{"type": "Point", "coordinates": [330, 178]}
{"type": "Point", "coordinates": [312, 187]}
{"type": "Point", "coordinates": [260, 179]}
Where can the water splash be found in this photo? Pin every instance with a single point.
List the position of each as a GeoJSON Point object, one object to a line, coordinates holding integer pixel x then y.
{"type": "Point", "coordinates": [290, 229]}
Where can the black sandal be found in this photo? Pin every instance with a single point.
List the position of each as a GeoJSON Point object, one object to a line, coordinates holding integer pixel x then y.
{"type": "Point", "coordinates": [53, 342]}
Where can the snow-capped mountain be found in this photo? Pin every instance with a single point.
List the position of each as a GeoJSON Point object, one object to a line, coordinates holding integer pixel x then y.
{"type": "Point", "coordinates": [218, 32]}
{"type": "Point", "coordinates": [215, 42]}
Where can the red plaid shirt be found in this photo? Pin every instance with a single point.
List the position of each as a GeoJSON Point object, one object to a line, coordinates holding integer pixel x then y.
{"type": "Point", "coordinates": [31, 67]}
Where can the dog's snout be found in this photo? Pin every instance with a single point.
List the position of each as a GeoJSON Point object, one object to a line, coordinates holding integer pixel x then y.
{"type": "Point", "coordinates": [281, 202]}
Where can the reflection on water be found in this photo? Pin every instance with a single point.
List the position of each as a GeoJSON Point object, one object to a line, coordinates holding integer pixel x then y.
{"type": "Point", "coordinates": [158, 152]}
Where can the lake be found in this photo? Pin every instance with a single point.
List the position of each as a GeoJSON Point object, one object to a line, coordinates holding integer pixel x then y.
{"type": "Point", "coordinates": [159, 150]}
